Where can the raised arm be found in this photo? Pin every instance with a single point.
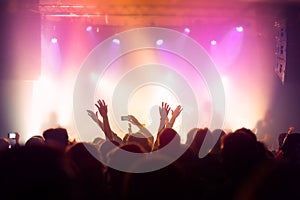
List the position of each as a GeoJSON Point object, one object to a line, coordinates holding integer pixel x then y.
{"type": "Point", "coordinates": [291, 129]}
{"type": "Point", "coordinates": [175, 114]}
{"type": "Point", "coordinates": [143, 130]}
{"type": "Point", "coordinates": [102, 108]}
{"type": "Point", "coordinates": [164, 110]}
{"type": "Point", "coordinates": [279, 153]}
{"type": "Point", "coordinates": [95, 118]}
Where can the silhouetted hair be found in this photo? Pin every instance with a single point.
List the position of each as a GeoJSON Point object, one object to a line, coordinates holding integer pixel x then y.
{"type": "Point", "coordinates": [59, 135]}
{"type": "Point", "coordinates": [35, 140]}
{"type": "Point", "coordinates": [291, 146]}
{"type": "Point", "coordinates": [4, 144]}
{"type": "Point", "coordinates": [166, 136]}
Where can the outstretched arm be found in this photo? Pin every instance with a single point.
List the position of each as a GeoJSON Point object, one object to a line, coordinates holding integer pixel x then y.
{"type": "Point", "coordinates": [143, 130]}
{"type": "Point", "coordinates": [102, 108]}
{"type": "Point", "coordinates": [280, 152]}
{"type": "Point", "coordinates": [95, 118]}
{"type": "Point", "coordinates": [175, 114]}
{"type": "Point", "coordinates": [163, 111]}
{"type": "Point", "coordinates": [291, 129]}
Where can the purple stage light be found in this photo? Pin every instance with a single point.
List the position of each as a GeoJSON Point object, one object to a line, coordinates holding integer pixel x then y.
{"type": "Point", "coordinates": [116, 41]}
{"type": "Point", "coordinates": [239, 29]}
{"type": "Point", "coordinates": [89, 28]}
{"type": "Point", "coordinates": [159, 42]}
{"type": "Point", "coordinates": [54, 40]}
{"type": "Point", "coordinates": [187, 30]}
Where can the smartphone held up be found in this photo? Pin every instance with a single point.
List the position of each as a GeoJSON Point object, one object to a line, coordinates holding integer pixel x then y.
{"type": "Point", "coordinates": [125, 118]}
{"type": "Point", "coordinates": [12, 137]}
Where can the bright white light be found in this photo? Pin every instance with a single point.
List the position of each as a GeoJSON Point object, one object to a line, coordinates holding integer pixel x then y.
{"type": "Point", "coordinates": [225, 81]}
{"type": "Point", "coordinates": [152, 95]}
{"type": "Point", "coordinates": [159, 42]}
{"type": "Point", "coordinates": [239, 29]}
{"type": "Point", "coordinates": [42, 103]}
{"type": "Point", "coordinates": [187, 30]}
{"type": "Point", "coordinates": [89, 28]}
{"type": "Point", "coordinates": [116, 41]}
{"type": "Point", "coordinates": [213, 42]}
{"type": "Point", "coordinates": [50, 106]}
{"type": "Point", "coordinates": [54, 40]}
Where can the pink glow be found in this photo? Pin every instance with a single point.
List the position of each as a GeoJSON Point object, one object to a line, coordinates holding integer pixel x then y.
{"type": "Point", "coordinates": [213, 42]}
{"type": "Point", "coordinates": [236, 56]}
{"type": "Point", "coordinates": [239, 29]}
{"type": "Point", "coordinates": [187, 30]}
{"type": "Point", "coordinates": [159, 42]}
{"type": "Point", "coordinates": [54, 40]}
{"type": "Point", "coordinates": [89, 28]}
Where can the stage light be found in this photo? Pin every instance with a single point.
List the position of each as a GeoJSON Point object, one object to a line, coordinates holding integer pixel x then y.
{"type": "Point", "coordinates": [116, 41]}
{"type": "Point", "coordinates": [159, 42]}
{"type": "Point", "coordinates": [213, 42]}
{"type": "Point", "coordinates": [187, 30]}
{"type": "Point", "coordinates": [89, 28]}
{"type": "Point", "coordinates": [239, 29]}
{"type": "Point", "coordinates": [54, 40]}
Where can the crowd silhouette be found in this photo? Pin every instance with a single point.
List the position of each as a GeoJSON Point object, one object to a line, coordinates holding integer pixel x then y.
{"type": "Point", "coordinates": [212, 164]}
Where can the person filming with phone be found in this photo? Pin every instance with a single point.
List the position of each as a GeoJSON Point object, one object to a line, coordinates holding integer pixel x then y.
{"type": "Point", "coordinates": [14, 139]}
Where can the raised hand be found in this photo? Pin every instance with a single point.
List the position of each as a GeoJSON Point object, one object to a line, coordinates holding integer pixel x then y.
{"type": "Point", "coordinates": [143, 130]}
{"type": "Point", "coordinates": [94, 116]}
{"type": "Point", "coordinates": [134, 120]}
{"type": "Point", "coordinates": [175, 114]}
{"type": "Point", "coordinates": [164, 110]}
{"type": "Point", "coordinates": [177, 111]}
{"type": "Point", "coordinates": [102, 108]}
{"type": "Point", "coordinates": [104, 125]}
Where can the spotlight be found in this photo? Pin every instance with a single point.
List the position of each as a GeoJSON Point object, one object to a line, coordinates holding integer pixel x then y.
{"type": "Point", "coordinates": [213, 42]}
{"type": "Point", "coordinates": [159, 42]}
{"type": "Point", "coordinates": [187, 30]}
{"type": "Point", "coordinates": [89, 28]}
{"type": "Point", "coordinates": [54, 40]}
{"type": "Point", "coordinates": [239, 29]}
{"type": "Point", "coordinates": [116, 41]}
